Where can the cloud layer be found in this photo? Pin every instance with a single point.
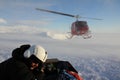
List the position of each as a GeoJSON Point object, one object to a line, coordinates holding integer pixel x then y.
{"type": "Point", "coordinates": [3, 21]}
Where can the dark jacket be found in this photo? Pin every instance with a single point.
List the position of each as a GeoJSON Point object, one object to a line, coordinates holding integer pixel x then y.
{"type": "Point", "coordinates": [16, 68]}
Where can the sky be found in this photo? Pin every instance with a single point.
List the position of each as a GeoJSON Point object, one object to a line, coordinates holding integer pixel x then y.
{"type": "Point", "coordinates": [14, 13]}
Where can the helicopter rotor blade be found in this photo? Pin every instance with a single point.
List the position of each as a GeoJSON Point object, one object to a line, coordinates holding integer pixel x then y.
{"type": "Point", "coordinates": [55, 12]}
{"type": "Point", "coordinates": [60, 13]}
{"type": "Point", "coordinates": [90, 18]}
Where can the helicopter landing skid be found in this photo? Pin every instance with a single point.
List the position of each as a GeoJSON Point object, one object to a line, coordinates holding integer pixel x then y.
{"type": "Point", "coordinates": [87, 35]}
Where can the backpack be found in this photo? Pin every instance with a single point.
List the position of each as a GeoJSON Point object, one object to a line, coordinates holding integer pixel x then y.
{"type": "Point", "coordinates": [60, 70]}
{"type": "Point", "coordinates": [63, 75]}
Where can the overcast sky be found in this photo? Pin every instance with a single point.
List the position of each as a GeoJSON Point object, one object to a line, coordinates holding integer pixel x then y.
{"type": "Point", "coordinates": [22, 12]}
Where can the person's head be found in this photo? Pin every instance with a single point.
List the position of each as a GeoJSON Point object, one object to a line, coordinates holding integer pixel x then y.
{"type": "Point", "coordinates": [36, 54]}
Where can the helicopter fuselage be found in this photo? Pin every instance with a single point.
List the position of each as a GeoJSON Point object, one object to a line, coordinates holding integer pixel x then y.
{"type": "Point", "coordinates": [79, 28]}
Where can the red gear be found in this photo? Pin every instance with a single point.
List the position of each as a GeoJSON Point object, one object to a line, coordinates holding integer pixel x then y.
{"type": "Point", "coordinates": [75, 75]}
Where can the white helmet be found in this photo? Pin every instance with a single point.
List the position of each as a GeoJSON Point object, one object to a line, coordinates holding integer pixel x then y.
{"type": "Point", "coordinates": [37, 51]}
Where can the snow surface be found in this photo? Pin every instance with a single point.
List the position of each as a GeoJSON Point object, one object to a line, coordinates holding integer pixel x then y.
{"type": "Point", "coordinates": [97, 58]}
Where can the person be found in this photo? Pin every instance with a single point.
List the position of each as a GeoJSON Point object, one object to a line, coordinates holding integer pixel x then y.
{"type": "Point", "coordinates": [26, 63]}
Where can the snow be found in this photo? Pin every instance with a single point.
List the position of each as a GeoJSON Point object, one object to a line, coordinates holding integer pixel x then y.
{"type": "Point", "coordinates": [96, 58]}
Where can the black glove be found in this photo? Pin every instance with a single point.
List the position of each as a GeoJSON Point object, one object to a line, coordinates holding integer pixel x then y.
{"type": "Point", "coordinates": [18, 52]}
{"type": "Point", "coordinates": [23, 48]}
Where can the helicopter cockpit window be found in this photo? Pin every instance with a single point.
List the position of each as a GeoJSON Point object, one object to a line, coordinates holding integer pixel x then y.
{"type": "Point", "coordinates": [81, 23]}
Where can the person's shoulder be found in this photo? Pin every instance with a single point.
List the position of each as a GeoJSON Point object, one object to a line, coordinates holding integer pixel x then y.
{"type": "Point", "coordinates": [6, 61]}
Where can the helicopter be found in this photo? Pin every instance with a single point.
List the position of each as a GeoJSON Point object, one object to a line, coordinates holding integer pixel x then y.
{"type": "Point", "coordinates": [78, 28]}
